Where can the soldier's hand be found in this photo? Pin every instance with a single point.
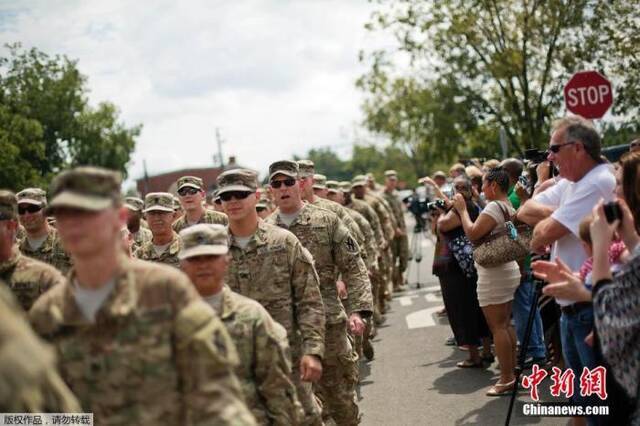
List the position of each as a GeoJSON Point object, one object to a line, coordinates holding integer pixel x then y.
{"type": "Point", "coordinates": [356, 325]}
{"type": "Point", "coordinates": [342, 289]}
{"type": "Point", "coordinates": [310, 368]}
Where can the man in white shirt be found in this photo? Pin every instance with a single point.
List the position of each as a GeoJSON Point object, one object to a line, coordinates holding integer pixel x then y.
{"type": "Point", "coordinates": [557, 212]}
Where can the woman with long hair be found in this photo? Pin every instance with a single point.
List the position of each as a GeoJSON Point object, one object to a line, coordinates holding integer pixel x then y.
{"type": "Point", "coordinates": [496, 285]}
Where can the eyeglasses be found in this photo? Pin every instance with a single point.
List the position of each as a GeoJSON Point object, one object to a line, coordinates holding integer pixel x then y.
{"type": "Point", "coordinates": [460, 188]}
{"type": "Point", "coordinates": [287, 182]}
{"type": "Point", "coordinates": [556, 148]}
{"type": "Point", "coordinates": [187, 191]}
{"type": "Point", "coordinates": [30, 208]}
{"type": "Point", "coordinates": [238, 195]}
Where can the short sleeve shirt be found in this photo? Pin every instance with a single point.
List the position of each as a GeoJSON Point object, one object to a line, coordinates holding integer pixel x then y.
{"type": "Point", "coordinates": [573, 201]}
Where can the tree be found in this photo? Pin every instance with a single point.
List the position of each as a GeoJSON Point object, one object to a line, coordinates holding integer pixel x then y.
{"type": "Point", "coordinates": [510, 58]}
{"type": "Point", "coordinates": [50, 94]}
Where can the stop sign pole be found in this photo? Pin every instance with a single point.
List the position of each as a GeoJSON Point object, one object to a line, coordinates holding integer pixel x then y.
{"type": "Point", "coordinates": [588, 94]}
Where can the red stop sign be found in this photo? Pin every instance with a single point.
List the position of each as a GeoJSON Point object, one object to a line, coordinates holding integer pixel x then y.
{"type": "Point", "coordinates": [589, 94]}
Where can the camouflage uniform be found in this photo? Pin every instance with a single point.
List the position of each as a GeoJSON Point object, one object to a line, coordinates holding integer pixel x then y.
{"type": "Point", "coordinates": [265, 359]}
{"type": "Point", "coordinates": [154, 352]}
{"type": "Point", "coordinates": [51, 250]}
{"type": "Point", "coordinates": [28, 278]}
{"type": "Point", "coordinates": [29, 382]}
{"type": "Point", "coordinates": [209, 216]}
{"type": "Point", "coordinates": [276, 271]}
{"type": "Point", "coordinates": [400, 245]}
{"type": "Point", "coordinates": [335, 252]}
{"type": "Point", "coordinates": [143, 234]}
{"type": "Point", "coordinates": [160, 201]}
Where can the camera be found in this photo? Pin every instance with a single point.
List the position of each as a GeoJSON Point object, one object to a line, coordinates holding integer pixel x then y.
{"type": "Point", "coordinates": [535, 155]}
{"type": "Point", "coordinates": [612, 211]}
{"type": "Point", "coordinates": [435, 205]}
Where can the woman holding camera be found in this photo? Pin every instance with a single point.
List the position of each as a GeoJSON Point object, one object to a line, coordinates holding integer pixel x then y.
{"type": "Point", "coordinates": [460, 281]}
{"type": "Point", "coordinates": [496, 285]}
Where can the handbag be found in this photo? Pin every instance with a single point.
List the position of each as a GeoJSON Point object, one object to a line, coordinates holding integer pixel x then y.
{"type": "Point", "coordinates": [462, 251]}
{"type": "Point", "coordinates": [500, 247]}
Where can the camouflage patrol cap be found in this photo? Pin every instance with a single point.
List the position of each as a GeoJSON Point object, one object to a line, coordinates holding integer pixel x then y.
{"type": "Point", "coordinates": [8, 205]}
{"type": "Point", "coordinates": [35, 196]}
{"type": "Point", "coordinates": [284, 167]}
{"type": "Point", "coordinates": [85, 188]}
{"type": "Point", "coordinates": [319, 181]}
{"type": "Point", "coordinates": [370, 177]}
{"type": "Point", "coordinates": [237, 180]}
{"type": "Point", "coordinates": [176, 202]}
{"type": "Point", "coordinates": [263, 202]}
{"type": "Point", "coordinates": [333, 186]}
{"type": "Point", "coordinates": [391, 173]}
{"type": "Point", "coordinates": [306, 168]}
{"type": "Point", "coordinates": [159, 201]}
{"type": "Point", "coordinates": [359, 180]}
{"type": "Point", "coordinates": [134, 203]}
{"type": "Point", "coordinates": [204, 239]}
{"type": "Point", "coordinates": [190, 181]}
{"type": "Point", "coordinates": [346, 186]}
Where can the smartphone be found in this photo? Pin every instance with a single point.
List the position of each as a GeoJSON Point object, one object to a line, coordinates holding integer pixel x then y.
{"type": "Point", "coordinates": [612, 211]}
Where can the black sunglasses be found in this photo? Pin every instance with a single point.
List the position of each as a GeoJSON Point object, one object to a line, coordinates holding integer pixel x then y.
{"type": "Point", "coordinates": [556, 148]}
{"type": "Point", "coordinates": [238, 195]}
{"type": "Point", "coordinates": [30, 208]}
{"type": "Point", "coordinates": [287, 182]}
{"type": "Point", "coordinates": [634, 144]}
{"type": "Point", "coordinates": [187, 191]}
{"type": "Point", "coordinates": [260, 209]}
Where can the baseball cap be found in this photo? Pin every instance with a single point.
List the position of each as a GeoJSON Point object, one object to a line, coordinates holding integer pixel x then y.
{"type": "Point", "coordinates": [159, 201]}
{"type": "Point", "coordinates": [204, 239]}
{"type": "Point", "coordinates": [85, 188]}
{"type": "Point", "coordinates": [237, 180]}
{"type": "Point", "coordinates": [284, 167]}
{"type": "Point", "coordinates": [190, 181]}
{"type": "Point", "coordinates": [35, 196]}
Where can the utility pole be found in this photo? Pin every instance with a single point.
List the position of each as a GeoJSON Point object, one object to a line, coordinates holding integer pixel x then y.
{"type": "Point", "coordinates": [220, 142]}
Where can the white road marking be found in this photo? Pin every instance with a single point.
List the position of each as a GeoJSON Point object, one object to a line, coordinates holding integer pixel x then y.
{"type": "Point", "coordinates": [406, 300]}
{"type": "Point", "coordinates": [432, 297]}
{"type": "Point", "coordinates": [422, 318]}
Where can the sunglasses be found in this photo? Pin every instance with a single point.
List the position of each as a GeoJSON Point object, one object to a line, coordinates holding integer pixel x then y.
{"type": "Point", "coordinates": [31, 208]}
{"type": "Point", "coordinates": [260, 209]}
{"type": "Point", "coordinates": [287, 182]}
{"type": "Point", "coordinates": [238, 195]}
{"type": "Point", "coordinates": [556, 148]}
{"type": "Point", "coordinates": [460, 188]}
{"type": "Point", "coordinates": [187, 191]}
{"type": "Point", "coordinates": [634, 144]}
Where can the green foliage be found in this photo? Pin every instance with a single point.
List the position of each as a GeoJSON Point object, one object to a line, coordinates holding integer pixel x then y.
{"type": "Point", "coordinates": [477, 67]}
{"type": "Point", "coordinates": [45, 100]}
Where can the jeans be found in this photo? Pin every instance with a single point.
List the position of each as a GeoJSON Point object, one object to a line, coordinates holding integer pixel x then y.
{"type": "Point", "coordinates": [522, 301]}
{"type": "Point", "coordinates": [577, 354]}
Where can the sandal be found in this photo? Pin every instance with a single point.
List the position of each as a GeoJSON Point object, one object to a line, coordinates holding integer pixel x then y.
{"type": "Point", "coordinates": [500, 389]}
{"type": "Point", "coordinates": [467, 363]}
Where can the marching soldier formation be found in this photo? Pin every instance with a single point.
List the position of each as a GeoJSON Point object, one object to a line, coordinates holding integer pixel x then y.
{"type": "Point", "coordinates": [254, 309]}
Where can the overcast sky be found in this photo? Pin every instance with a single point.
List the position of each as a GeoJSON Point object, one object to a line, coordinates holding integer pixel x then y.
{"type": "Point", "coordinates": [277, 77]}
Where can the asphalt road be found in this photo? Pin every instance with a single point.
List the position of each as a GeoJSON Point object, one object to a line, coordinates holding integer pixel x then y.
{"type": "Point", "coordinates": [413, 379]}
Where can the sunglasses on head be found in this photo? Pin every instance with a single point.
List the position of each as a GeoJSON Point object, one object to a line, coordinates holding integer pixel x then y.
{"type": "Point", "coordinates": [287, 182]}
{"type": "Point", "coordinates": [187, 191]}
{"type": "Point", "coordinates": [238, 195]}
{"type": "Point", "coordinates": [29, 208]}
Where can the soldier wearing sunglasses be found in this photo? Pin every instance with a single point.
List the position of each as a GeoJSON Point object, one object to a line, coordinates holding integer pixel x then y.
{"type": "Point", "coordinates": [192, 196]}
{"type": "Point", "coordinates": [27, 278]}
{"type": "Point", "coordinates": [41, 241]}
{"type": "Point", "coordinates": [335, 253]}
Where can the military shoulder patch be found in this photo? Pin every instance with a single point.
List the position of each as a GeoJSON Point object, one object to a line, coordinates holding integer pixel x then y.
{"type": "Point", "coordinates": [352, 246]}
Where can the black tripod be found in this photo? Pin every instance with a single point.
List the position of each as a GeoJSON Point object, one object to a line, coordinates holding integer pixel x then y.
{"type": "Point", "coordinates": [524, 346]}
{"type": "Point", "coordinates": [415, 253]}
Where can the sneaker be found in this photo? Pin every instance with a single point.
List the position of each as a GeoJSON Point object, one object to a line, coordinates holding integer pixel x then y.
{"type": "Point", "coordinates": [451, 341]}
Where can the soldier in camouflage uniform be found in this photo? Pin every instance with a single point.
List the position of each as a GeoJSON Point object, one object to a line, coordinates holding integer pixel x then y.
{"type": "Point", "coordinates": [135, 341]}
{"type": "Point", "coordinates": [307, 175]}
{"type": "Point", "coordinates": [139, 234]}
{"type": "Point", "coordinates": [370, 246]}
{"type": "Point", "coordinates": [335, 252]}
{"type": "Point", "coordinates": [192, 196]}
{"type": "Point", "coordinates": [359, 190]}
{"type": "Point", "coordinates": [270, 265]}
{"type": "Point", "coordinates": [27, 278]}
{"type": "Point", "coordinates": [29, 381]}
{"type": "Point", "coordinates": [265, 360]}
{"type": "Point", "coordinates": [400, 245]}
{"type": "Point", "coordinates": [41, 241]}
{"type": "Point", "coordinates": [165, 243]}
